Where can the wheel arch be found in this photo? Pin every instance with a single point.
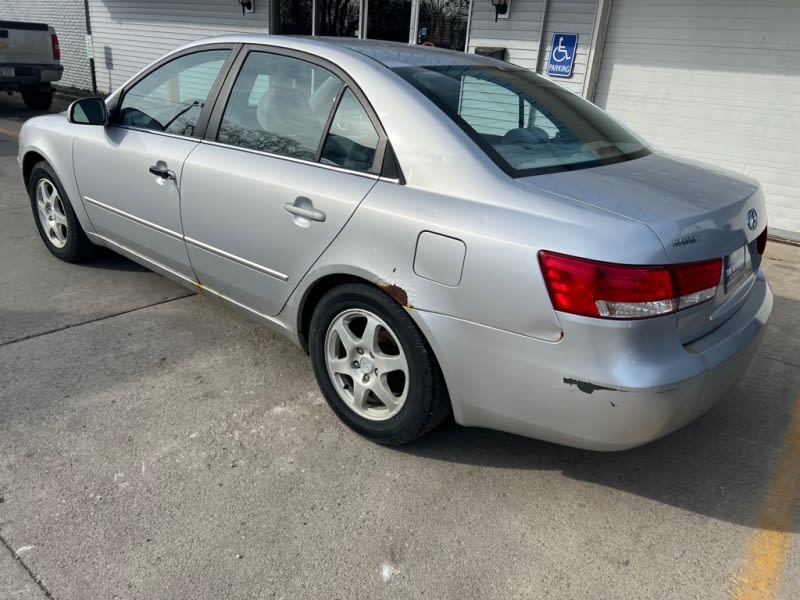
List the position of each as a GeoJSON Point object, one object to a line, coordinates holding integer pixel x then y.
{"type": "Point", "coordinates": [31, 159]}
{"type": "Point", "coordinates": [316, 290]}
{"type": "Point", "coordinates": [313, 294]}
{"type": "Point", "coordinates": [57, 154]}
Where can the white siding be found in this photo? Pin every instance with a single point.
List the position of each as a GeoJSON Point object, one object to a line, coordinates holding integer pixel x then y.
{"type": "Point", "coordinates": [67, 17]}
{"type": "Point", "coordinates": [571, 17]}
{"type": "Point", "coordinates": [129, 34]}
{"type": "Point", "coordinates": [717, 80]}
{"type": "Point", "coordinates": [520, 32]}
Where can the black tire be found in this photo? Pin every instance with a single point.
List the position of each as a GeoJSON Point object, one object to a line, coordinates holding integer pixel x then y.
{"type": "Point", "coordinates": [426, 402]}
{"type": "Point", "coordinates": [37, 98]}
{"type": "Point", "coordinates": [76, 246]}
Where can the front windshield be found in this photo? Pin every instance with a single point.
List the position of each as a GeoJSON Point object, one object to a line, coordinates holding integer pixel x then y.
{"type": "Point", "coordinates": [525, 123]}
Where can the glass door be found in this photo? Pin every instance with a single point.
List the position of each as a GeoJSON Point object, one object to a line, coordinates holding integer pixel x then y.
{"type": "Point", "coordinates": [338, 17]}
{"type": "Point", "coordinates": [389, 20]}
{"type": "Point", "coordinates": [443, 23]}
{"type": "Point", "coordinates": [292, 17]}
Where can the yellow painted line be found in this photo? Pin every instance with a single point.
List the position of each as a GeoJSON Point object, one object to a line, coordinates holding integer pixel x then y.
{"type": "Point", "coordinates": [769, 546]}
{"type": "Point", "coordinates": [13, 134]}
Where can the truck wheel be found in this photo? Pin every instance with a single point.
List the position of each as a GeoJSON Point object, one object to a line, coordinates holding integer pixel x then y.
{"type": "Point", "coordinates": [38, 97]}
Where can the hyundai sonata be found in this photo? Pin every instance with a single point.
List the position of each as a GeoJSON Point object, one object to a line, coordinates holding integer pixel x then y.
{"type": "Point", "coordinates": [442, 232]}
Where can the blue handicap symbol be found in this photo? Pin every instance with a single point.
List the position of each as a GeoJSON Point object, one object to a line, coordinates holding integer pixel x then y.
{"type": "Point", "coordinates": [562, 54]}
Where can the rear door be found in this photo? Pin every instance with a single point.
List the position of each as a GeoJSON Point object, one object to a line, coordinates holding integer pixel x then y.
{"type": "Point", "coordinates": [292, 151]}
{"type": "Point", "coordinates": [129, 173]}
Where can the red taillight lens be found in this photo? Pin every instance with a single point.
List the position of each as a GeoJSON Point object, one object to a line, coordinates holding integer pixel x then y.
{"type": "Point", "coordinates": [597, 289]}
{"type": "Point", "coordinates": [761, 242]}
{"type": "Point", "coordinates": [56, 47]}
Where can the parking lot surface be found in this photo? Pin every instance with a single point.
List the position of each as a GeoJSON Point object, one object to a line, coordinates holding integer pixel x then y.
{"type": "Point", "coordinates": [154, 445]}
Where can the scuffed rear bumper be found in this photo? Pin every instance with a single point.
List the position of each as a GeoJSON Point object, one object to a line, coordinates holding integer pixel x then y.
{"type": "Point", "coordinates": [605, 385]}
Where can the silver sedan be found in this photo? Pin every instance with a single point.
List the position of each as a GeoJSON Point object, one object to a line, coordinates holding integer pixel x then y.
{"type": "Point", "coordinates": [440, 231]}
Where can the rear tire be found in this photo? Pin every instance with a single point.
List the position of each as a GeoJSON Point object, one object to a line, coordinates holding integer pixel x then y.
{"type": "Point", "coordinates": [38, 97]}
{"type": "Point", "coordinates": [55, 219]}
{"type": "Point", "coordinates": [374, 367]}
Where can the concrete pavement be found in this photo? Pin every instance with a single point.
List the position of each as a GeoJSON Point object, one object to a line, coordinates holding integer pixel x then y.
{"type": "Point", "coordinates": [155, 445]}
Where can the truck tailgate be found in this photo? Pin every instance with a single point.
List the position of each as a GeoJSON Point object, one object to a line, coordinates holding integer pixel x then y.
{"type": "Point", "coordinates": [25, 43]}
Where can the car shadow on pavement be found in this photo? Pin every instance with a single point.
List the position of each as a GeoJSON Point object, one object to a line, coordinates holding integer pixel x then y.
{"type": "Point", "coordinates": [108, 259]}
{"type": "Point", "coordinates": [717, 466]}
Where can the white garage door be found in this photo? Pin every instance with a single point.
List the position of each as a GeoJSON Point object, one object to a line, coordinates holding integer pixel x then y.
{"type": "Point", "coordinates": [130, 34]}
{"type": "Point", "coordinates": [715, 80]}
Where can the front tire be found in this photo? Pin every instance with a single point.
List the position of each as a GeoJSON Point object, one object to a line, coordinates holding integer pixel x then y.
{"type": "Point", "coordinates": [374, 367]}
{"type": "Point", "coordinates": [55, 219]}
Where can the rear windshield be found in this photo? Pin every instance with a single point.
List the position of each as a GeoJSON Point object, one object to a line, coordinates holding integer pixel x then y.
{"type": "Point", "coordinates": [525, 123]}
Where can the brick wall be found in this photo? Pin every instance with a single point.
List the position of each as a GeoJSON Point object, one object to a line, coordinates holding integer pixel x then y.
{"type": "Point", "coordinates": [67, 17]}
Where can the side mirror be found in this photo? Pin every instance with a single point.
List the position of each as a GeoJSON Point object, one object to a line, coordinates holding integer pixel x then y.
{"type": "Point", "coordinates": [88, 111]}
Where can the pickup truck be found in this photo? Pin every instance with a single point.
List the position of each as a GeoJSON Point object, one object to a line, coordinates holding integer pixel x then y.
{"type": "Point", "coordinates": [29, 62]}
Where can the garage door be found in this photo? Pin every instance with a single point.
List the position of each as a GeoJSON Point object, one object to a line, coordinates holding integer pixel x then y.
{"type": "Point", "coordinates": [130, 34]}
{"type": "Point", "coordinates": [716, 80]}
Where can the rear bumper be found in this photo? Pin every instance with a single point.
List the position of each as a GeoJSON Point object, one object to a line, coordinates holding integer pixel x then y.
{"type": "Point", "coordinates": [605, 386]}
{"type": "Point", "coordinates": [27, 74]}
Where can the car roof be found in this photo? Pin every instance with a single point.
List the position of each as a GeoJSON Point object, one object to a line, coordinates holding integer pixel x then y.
{"type": "Point", "coordinates": [390, 54]}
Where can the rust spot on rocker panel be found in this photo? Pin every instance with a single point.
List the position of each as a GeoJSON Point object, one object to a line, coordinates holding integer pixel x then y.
{"type": "Point", "coordinates": [395, 291]}
{"type": "Point", "coordinates": [589, 388]}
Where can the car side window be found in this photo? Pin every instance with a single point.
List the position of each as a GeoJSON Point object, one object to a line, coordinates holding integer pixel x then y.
{"type": "Point", "coordinates": [280, 105]}
{"type": "Point", "coordinates": [352, 140]}
{"type": "Point", "coordinates": [171, 98]}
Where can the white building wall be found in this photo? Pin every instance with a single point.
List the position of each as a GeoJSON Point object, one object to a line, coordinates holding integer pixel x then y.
{"type": "Point", "coordinates": [130, 34]}
{"type": "Point", "coordinates": [519, 33]}
{"type": "Point", "coordinates": [67, 17]}
{"type": "Point", "coordinates": [716, 80]}
{"type": "Point", "coordinates": [571, 16]}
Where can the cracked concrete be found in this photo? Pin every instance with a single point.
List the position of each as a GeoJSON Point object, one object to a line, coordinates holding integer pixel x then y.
{"type": "Point", "coordinates": [17, 582]}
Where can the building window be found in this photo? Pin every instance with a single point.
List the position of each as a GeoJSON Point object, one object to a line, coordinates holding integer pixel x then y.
{"type": "Point", "coordinates": [441, 23]}
{"type": "Point", "coordinates": [389, 20]}
{"type": "Point", "coordinates": [338, 17]}
{"type": "Point", "coordinates": [292, 17]}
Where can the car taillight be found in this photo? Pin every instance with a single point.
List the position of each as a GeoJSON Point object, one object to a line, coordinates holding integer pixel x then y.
{"type": "Point", "coordinates": [761, 242]}
{"type": "Point", "coordinates": [598, 289]}
{"type": "Point", "coordinates": [56, 47]}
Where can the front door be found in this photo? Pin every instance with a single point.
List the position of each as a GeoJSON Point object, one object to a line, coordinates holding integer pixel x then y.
{"type": "Point", "coordinates": [278, 181]}
{"type": "Point", "coordinates": [134, 200]}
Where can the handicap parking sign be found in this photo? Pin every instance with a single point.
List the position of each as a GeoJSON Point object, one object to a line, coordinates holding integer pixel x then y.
{"type": "Point", "coordinates": [562, 54]}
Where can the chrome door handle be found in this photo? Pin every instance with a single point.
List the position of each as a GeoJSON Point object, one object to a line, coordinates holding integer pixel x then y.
{"type": "Point", "coordinates": [162, 172]}
{"type": "Point", "coordinates": [307, 212]}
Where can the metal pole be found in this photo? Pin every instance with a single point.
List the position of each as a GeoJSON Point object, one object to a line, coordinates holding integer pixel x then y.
{"type": "Point", "coordinates": [541, 37]}
{"type": "Point", "coordinates": [89, 33]}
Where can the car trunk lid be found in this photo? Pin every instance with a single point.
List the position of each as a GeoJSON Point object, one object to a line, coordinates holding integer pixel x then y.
{"type": "Point", "coordinates": [698, 213]}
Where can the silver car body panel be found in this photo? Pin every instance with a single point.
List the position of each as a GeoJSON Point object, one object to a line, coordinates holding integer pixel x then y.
{"type": "Point", "coordinates": [510, 361]}
{"type": "Point", "coordinates": [606, 386]}
{"type": "Point", "coordinates": [126, 202]}
{"type": "Point", "coordinates": [697, 212]}
{"type": "Point", "coordinates": [254, 223]}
